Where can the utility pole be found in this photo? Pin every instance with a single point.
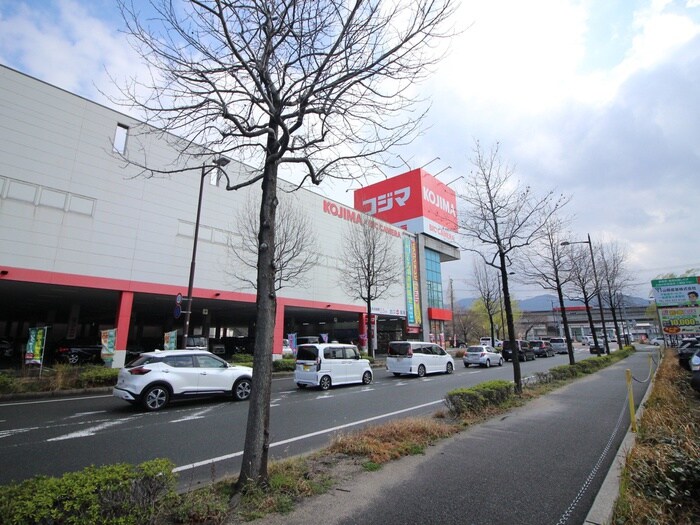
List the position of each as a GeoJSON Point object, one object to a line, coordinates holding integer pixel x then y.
{"type": "Point", "coordinates": [452, 307]}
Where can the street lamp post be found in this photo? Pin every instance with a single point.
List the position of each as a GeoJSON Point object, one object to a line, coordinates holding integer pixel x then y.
{"type": "Point", "coordinates": [219, 162]}
{"type": "Point", "coordinates": [597, 285]}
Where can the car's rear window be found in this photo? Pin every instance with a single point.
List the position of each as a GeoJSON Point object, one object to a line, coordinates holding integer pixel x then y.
{"type": "Point", "coordinates": [556, 340]}
{"type": "Point", "coordinates": [399, 348]}
{"type": "Point", "coordinates": [475, 349]}
{"type": "Point", "coordinates": [307, 353]}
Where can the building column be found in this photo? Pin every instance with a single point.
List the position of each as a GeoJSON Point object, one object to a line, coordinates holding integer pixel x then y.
{"type": "Point", "coordinates": [122, 324]}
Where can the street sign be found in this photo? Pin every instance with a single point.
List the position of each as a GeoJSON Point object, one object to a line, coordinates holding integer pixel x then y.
{"type": "Point", "coordinates": [178, 311]}
{"type": "Point", "coordinates": [178, 299]}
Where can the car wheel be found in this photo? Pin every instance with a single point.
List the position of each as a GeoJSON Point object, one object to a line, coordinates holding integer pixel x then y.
{"type": "Point", "coordinates": [367, 378]}
{"type": "Point", "coordinates": [500, 362]}
{"type": "Point", "coordinates": [488, 363]}
{"type": "Point", "coordinates": [241, 389]}
{"type": "Point", "coordinates": [325, 383]}
{"type": "Point", "coordinates": [421, 371]}
{"type": "Point", "coordinates": [466, 365]}
{"type": "Point", "coordinates": [73, 359]}
{"type": "Point", "coordinates": [301, 385]}
{"type": "Point", "coordinates": [155, 398]}
{"type": "Point", "coordinates": [450, 368]}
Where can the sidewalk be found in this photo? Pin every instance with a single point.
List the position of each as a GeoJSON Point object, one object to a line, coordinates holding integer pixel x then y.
{"type": "Point", "coordinates": [543, 463]}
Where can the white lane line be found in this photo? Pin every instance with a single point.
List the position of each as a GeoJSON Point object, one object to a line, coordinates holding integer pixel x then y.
{"type": "Point", "coordinates": [13, 431]}
{"type": "Point", "coordinates": [305, 436]}
{"type": "Point", "coordinates": [38, 402]}
{"type": "Point", "coordinates": [195, 415]}
{"type": "Point", "coordinates": [88, 431]}
{"type": "Point", "coordinates": [82, 414]}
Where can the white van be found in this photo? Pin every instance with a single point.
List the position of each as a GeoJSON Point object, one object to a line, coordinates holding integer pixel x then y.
{"type": "Point", "coordinates": [418, 358]}
{"type": "Point", "coordinates": [328, 364]}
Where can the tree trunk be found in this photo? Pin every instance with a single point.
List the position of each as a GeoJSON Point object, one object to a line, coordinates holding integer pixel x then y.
{"type": "Point", "coordinates": [565, 322]}
{"type": "Point", "coordinates": [257, 439]}
{"type": "Point", "coordinates": [511, 325]}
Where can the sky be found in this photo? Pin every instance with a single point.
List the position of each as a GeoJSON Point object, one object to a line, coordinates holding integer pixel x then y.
{"type": "Point", "coordinates": [595, 99]}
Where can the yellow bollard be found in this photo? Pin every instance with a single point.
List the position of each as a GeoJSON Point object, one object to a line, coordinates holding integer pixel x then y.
{"type": "Point", "coordinates": [630, 396]}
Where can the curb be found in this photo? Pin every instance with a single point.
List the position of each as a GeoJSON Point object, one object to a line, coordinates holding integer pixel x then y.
{"type": "Point", "coordinates": [601, 512]}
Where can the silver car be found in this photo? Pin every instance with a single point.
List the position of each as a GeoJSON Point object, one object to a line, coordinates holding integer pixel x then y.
{"type": "Point", "coordinates": [482, 355]}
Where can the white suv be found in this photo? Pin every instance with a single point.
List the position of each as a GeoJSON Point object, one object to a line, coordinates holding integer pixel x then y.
{"type": "Point", "coordinates": [418, 357]}
{"type": "Point", "coordinates": [325, 365]}
{"type": "Point", "coordinates": [154, 378]}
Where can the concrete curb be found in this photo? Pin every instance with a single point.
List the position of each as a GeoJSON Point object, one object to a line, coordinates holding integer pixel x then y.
{"type": "Point", "coordinates": [601, 512]}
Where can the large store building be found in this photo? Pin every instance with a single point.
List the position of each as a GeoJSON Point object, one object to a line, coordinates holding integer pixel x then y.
{"type": "Point", "coordinates": [89, 244]}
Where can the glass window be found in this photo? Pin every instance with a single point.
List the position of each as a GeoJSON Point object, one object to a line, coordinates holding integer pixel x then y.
{"type": "Point", "coordinates": [120, 135]}
{"type": "Point", "coordinates": [206, 361]}
{"type": "Point", "coordinates": [434, 278]}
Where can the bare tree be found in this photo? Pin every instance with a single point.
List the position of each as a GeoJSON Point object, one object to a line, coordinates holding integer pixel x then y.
{"type": "Point", "coordinates": [369, 267]}
{"type": "Point", "coordinates": [505, 217]}
{"type": "Point", "coordinates": [547, 267]}
{"type": "Point", "coordinates": [582, 284]}
{"type": "Point", "coordinates": [616, 279]}
{"type": "Point", "coordinates": [320, 86]}
{"type": "Point", "coordinates": [490, 293]}
{"type": "Point", "coordinates": [467, 324]}
{"type": "Point", "coordinates": [296, 251]}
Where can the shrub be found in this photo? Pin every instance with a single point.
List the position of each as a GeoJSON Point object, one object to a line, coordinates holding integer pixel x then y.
{"type": "Point", "coordinates": [283, 365]}
{"type": "Point", "coordinates": [94, 376]}
{"type": "Point", "coordinates": [118, 494]}
{"type": "Point", "coordinates": [472, 399]}
{"type": "Point", "coordinates": [563, 372]}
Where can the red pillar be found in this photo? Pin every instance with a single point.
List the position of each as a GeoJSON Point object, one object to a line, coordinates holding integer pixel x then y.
{"type": "Point", "coordinates": [122, 323]}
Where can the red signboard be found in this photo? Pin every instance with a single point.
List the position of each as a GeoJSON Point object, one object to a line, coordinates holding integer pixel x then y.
{"type": "Point", "coordinates": [415, 201]}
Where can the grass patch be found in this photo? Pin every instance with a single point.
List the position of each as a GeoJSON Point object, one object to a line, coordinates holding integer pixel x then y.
{"type": "Point", "coordinates": [661, 479]}
{"type": "Point", "coordinates": [406, 437]}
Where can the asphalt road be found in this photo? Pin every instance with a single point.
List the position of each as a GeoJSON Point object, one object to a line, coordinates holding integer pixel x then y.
{"type": "Point", "coordinates": [205, 438]}
{"type": "Point", "coordinates": [541, 464]}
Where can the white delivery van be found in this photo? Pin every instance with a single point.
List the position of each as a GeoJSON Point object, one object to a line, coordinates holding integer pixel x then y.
{"type": "Point", "coordinates": [418, 358]}
{"type": "Point", "coordinates": [328, 364]}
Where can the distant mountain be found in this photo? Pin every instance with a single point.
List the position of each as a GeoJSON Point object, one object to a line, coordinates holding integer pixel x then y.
{"type": "Point", "coordinates": [547, 302]}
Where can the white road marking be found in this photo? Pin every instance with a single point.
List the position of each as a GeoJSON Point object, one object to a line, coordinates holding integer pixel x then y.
{"type": "Point", "coordinates": [81, 414]}
{"type": "Point", "coordinates": [88, 431]}
{"type": "Point", "coordinates": [195, 415]}
{"type": "Point", "coordinates": [306, 436]}
{"type": "Point", "coordinates": [13, 431]}
{"type": "Point", "coordinates": [42, 401]}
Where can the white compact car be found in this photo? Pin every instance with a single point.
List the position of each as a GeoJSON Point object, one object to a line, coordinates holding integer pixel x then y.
{"type": "Point", "coordinates": [328, 364]}
{"type": "Point", "coordinates": [418, 358]}
{"type": "Point", "coordinates": [155, 378]}
{"type": "Point", "coordinates": [482, 355]}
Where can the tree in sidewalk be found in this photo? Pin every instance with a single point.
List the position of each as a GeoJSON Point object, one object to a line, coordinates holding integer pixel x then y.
{"type": "Point", "coordinates": [499, 218]}
{"type": "Point", "coordinates": [489, 290]}
{"type": "Point", "coordinates": [296, 250]}
{"type": "Point", "coordinates": [545, 264]}
{"type": "Point", "coordinates": [321, 87]}
{"type": "Point", "coordinates": [369, 267]}
{"type": "Point", "coordinates": [582, 283]}
{"type": "Point", "coordinates": [614, 280]}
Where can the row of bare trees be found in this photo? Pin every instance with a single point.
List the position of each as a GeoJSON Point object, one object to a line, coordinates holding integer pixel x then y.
{"type": "Point", "coordinates": [514, 231]}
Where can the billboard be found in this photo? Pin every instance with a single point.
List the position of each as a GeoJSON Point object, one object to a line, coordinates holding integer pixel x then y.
{"type": "Point", "coordinates": [415, 201]}
{"type": "Point", "coordinates": [680, 321]}
{"type": "Point", "coordinates": [679, 291]}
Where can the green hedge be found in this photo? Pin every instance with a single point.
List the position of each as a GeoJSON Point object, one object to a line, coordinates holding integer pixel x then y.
{"type": "Point", "coordinates": [118, 494]}
{"type": "Point", "coordinates": [473, 399]}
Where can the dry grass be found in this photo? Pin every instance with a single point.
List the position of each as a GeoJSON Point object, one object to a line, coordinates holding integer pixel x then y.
{"type": "Point", "coordinates": [393, 440]}
{"type": "Point", "coordinates": [661, 481]}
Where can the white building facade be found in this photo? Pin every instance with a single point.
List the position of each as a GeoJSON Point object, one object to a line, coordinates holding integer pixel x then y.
{"type": "Point", "coordinates": [87, 243]}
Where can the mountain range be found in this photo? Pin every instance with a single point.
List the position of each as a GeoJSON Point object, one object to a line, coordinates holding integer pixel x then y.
{"type": "Point", "coordinates": [547, 302]}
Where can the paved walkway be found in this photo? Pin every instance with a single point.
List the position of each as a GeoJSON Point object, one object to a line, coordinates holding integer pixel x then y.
{"type": "Point", "coordinates": [540, 464]}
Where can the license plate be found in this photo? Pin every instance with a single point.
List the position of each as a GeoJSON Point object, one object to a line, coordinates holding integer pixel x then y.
{"type": "Point", "coordinates": [307, 368]}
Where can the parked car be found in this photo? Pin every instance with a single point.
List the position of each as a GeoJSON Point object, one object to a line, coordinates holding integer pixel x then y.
{"type": "Point", "coordinates": [417, 358]}
{"type": "Point", "coordinates": [328, 364]}
{"type": "Point", "coordinates": [308, 340]}
{"type": "Point", "coordinates": [559, 345]}
{"type": "Point", "coordinates": [686, 351]}
{"type": "Point", "coordinates": [486, 341]}
{"type": "Point", "coordinates": [542, 348]}
{"type": "Point", "coordinates": [156, 378]}
{"type": "Point", "coordinates": [695, 369]}
{"type": "Point", "coordinates": [7, 348]}
{"type": "Point", "coordinates": [525, 353]}
{"type": "Point", "coordinates": [77, 352]}
{"type": "Point", "coordinates": [482, 355]}
{"type": "Point", "coordinates": [657, 341]}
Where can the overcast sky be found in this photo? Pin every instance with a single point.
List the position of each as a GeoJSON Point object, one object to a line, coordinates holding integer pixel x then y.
{"type": "Point", "coordinates": [597, 99]}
